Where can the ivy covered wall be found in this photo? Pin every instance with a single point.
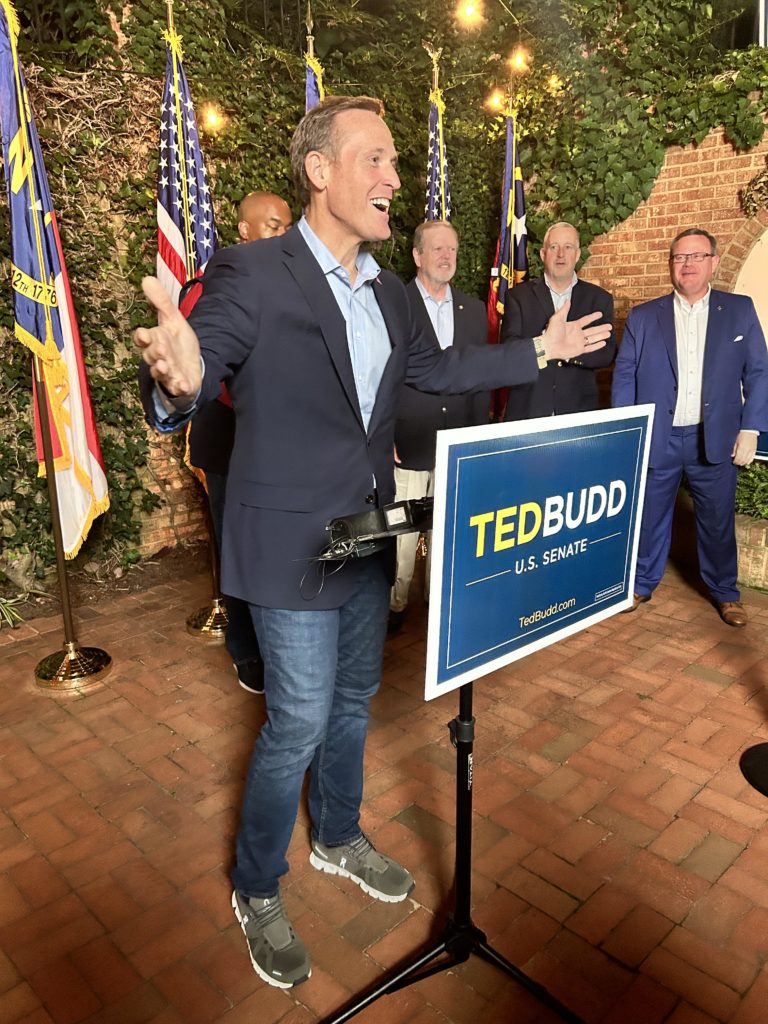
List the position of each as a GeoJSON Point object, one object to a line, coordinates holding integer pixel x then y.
{"type": "Point", "coordinates": [634, 79]}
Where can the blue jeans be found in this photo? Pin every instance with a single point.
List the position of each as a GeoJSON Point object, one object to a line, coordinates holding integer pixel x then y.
{"type": "Point", "coordinates": [240, 639]}
{"type": "Point", "coordinates": [321, 669]}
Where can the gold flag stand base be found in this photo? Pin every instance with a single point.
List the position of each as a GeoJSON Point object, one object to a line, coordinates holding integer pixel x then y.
{"type": "Point", "coordinates": [210, 622]}
{"type": "Point", "coordinates": [73, 671]}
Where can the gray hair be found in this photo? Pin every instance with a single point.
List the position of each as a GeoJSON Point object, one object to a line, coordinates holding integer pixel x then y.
{"type": "Point", "coordinates": [561, 224]}
{"type": "Point", "coordinates": [421, 230]}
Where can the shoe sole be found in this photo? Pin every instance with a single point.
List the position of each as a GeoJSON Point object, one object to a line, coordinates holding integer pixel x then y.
{"type": "Point", "coordinates": [260, 970]}
{"type": "Point", "coordinates": [250, 689]}
{"type": "Point", "coordinates": [334, 869]}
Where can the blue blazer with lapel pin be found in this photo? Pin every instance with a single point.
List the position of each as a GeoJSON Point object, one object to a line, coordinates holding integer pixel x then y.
{"type": "Point", "coordinates": [735, 365]}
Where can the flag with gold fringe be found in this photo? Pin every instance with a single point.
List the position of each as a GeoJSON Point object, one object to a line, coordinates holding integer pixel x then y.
{"type": "Point", "coordinates": [438, 205]}
{"type": "Point", "coordinates": [186, 231]}
{"type": "Point", "coordinates": [510, 265]}
{"type": "Point", "coordinates": [314, 82]}
{"type": "Point", "coordinates": [44, 315]}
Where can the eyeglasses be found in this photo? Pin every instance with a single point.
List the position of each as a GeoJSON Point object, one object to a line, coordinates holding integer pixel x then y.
{"type": "Point", "coordinates": [683, 257]}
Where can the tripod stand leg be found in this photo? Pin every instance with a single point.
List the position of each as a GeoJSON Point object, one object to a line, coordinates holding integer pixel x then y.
{"type": "Point", "coordinates": [491, 956]}
{"type": "Point", "coordinates": [461, 937]}
{"type": "Point", "coordinates": [400, 979]}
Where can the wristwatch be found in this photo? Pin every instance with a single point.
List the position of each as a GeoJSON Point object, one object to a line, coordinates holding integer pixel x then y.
{"type": "Point", "coordinates": [541, 355]}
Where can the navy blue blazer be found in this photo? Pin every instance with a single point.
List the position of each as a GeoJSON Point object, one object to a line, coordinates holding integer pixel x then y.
{"type": "Point", "coordinates": [563, 386]}
{"type": "Point", "coordinates": [269, 326]}
{"type": "Point", "coordinates": [735, 363]}
{"type": "Point", "coordinates": [419, 415]}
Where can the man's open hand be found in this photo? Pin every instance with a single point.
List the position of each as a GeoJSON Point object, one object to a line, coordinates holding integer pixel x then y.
{"type": "Point", "coordinates": [569, 339]}
{"type": "Point", "coordinates": [171, 349]}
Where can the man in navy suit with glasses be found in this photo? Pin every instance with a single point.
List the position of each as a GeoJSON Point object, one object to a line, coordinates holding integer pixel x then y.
{"type": "Point", "coordinates": [699, 356]}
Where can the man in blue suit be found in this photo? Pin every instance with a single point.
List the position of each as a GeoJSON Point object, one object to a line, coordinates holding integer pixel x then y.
{"type": "Point", "coordinates": [315, 342]}
{"type": "Point", "coordinates": [700, 357]}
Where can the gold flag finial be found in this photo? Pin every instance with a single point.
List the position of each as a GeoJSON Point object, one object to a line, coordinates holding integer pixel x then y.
{"type": "Point", "coordinates": [435, 54]}
{"type": "Point", "coordinates": [310, 37]}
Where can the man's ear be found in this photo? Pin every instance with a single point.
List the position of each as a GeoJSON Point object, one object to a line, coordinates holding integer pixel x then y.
{"type": "Point", "coordinates": [416, 257]}
{"type": "Point", "coordinates": [316, 165]}
{"type": "Point", "coordinates": [242, 230]}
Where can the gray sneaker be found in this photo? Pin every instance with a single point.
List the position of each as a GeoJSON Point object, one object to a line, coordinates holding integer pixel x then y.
{"type": "Point", "coordinates": [379, 876]}
{"type": "Point", "coordinates": [277, 954]}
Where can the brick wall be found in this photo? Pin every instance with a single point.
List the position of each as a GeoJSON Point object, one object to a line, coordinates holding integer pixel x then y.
{"type": "Point", "coordinates": [698, 187]}
{"type": "Point", "coordinates": [180, 517]}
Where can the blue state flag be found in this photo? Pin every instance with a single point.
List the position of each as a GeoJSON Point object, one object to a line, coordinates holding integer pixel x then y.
{"type": "Point", "coordinates": [314, 83]}
{"type": "Point", "coordinates": [44, 314]}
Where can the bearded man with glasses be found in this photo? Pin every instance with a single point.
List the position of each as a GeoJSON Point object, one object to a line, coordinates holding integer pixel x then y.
{"type": "Point", "coordinates": [699, 356]}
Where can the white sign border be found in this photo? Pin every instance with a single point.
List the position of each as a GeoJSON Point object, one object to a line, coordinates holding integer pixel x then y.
{"type": "Point", "coordinates": [494, 431]}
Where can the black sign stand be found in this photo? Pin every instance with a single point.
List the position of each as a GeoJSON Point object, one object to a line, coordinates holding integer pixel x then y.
{"type": "Point", "coordinates": [461, 937]}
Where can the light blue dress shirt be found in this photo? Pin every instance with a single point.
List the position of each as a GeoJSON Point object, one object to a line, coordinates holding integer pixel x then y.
{"type": "Point", "coordinates": [367, 337]}
{"type": "Point", "coordinates": [440, 314]}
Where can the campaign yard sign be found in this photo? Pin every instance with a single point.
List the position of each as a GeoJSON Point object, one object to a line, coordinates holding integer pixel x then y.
{"type": "Point", "coordinates": [535, 535]}
{"type": "Point", "coordinates": [762, 447]}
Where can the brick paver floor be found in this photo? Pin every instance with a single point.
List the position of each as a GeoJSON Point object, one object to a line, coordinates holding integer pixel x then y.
{"type": "Point", "coordinates": [619, 856]}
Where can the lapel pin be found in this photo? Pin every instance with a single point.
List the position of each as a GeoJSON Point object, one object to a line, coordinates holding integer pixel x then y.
{"type": "Point", "coordinates": [460, 306]}
{"type": "Point", "coordinates": [719, 309]}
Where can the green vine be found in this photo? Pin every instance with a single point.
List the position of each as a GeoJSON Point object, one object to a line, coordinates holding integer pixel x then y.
{"type": "Point", "coordinates": [636, 78]}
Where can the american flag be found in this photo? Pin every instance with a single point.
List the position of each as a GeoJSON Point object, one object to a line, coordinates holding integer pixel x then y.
{"type": "Point", "coordinates": [186, 232]}
{"type": "Point", "coordinates": [314, 84]}
{"type": "Point", "coordinates": [43, 311]}
{"type": "Point", "coordinates": [510, 266]}
{"type": "Point", "coordinates": [438, 205]}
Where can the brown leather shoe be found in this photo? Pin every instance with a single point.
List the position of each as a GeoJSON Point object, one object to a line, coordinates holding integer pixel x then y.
{"type": "Point", "coordinates": [637, 600]}
{"type": "Point", "coordinates": [733, 613]}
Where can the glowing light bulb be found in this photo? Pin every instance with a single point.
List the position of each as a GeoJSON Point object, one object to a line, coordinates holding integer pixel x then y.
{"type": "Point", "coordinates": [469, 13]}
{"type": "Point", "coordinates": [519, 60]}
{"type": "Point", "coordinates": [212, 118]}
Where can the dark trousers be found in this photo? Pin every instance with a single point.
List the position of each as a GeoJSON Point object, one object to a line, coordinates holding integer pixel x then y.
{"type": "Point", "coordinates": [713, 487]}
{"type": "Point", "coordinates": [240, 639]}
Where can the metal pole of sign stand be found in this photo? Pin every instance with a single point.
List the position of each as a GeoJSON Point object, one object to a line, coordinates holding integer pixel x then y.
{"type": "Point", "coordinates": [461, 937]}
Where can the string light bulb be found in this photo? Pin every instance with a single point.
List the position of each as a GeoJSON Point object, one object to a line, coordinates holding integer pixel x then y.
{"type": "Point", "coordinates": [469, 13]}
{"type": "Point", "coordinates": [496, 100]}
{"type": "Point", "coordinates": [518, 62]}
{"type": "Point", "coordinates": [212, 120]}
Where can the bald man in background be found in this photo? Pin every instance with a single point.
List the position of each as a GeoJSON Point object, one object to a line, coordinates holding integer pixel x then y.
{"type": "Point", "coordinates": [262, 215]}
{"type": "Point", "coordinates": [212, 435]}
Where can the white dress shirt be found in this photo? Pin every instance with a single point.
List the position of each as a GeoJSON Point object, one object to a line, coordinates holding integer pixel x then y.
{"type": "Point", "coordinates": [690, 335]}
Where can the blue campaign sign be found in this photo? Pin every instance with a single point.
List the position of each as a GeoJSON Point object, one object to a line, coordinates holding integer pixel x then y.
{"type": "Point", "coordinates": [762, 447]}
{"type": "Point", "coordinates": [534, 536]}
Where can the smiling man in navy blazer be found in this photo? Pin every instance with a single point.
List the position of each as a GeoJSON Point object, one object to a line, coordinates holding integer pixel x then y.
{"type": "Point", "coordinates": [699, 356]}
{"type": "Point", "coordinates": [315, 342]}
